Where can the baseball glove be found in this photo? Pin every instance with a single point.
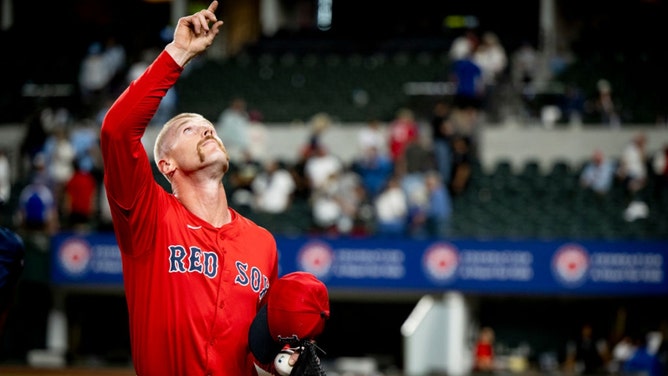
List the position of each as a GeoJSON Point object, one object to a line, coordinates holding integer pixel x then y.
{"type": "Point", "coordinates": [308, 363]}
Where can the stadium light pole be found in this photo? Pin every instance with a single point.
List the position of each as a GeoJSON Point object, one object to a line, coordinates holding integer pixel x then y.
{"type": "Point", "coordinates": [547, 37]}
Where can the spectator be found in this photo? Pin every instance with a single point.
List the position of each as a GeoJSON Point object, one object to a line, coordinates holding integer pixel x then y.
{"type": "Point", "coordinates": [632, 171]}
{"type": "Point", "coordinates": [33, 141]}
{"type": "Point", "coordinates": [573, 104]}
{"type": "Point", "coordinates": [643, 361]}
{"type": "Point", "coordinates": [467, 76]}
{"type": "Point", "coordinates": [139, 65]}
{"type": "Point", "coordinates": [273, 188]}
{"type": "Point", "coordinates": [80, 199]}
{"type": "Point", "coordinates": [363, 215]}
{"type": "Point", "coordinates": [491, 57]}
{"type": "Point", "coordinates": [439, 206]}
{"type": "Point", "coordinates": [116, 58]}
{"type": "Point", "coordinates": [326, 209]}
{"type": "Point", "coordinates": [372, 135]}
{"type": "Point", "coordinates": [302, 191]}
{"type": "Point", "coordinates": [660, 169]}
{"type": "Point", "coordinates": [621, 352]}
{"type": "Point", "coordinates": [319, 124]}
{"type": "Point", "coordinates": [586, 355]}
{"type": "Point", "coordinates": [662, 348]}
{"type": "Point", "coordinates": [320, 166]}
{"type": "Point", "coordinates": [374, 169]}
{"type": "Point", "coordinates": [416, 160]}
{"type": "Point", "coordinates": [412, 167]}
{"type": "Point", "coordinates": [441, 138]}
{"type": "Point", "coordinates": [484, 351]}
{"type": "Point", "coordinates": [598, 173]}
{"type": "Point", "coordinates": [85, 139]}
{"type": "Point", "coordinates": [430, 207]}
{"type": "Point", "coordinates": [418, 203]}
{"type": "Point", "coordinates": [463, 45]}
{"type": "Point", "coordinates": [461, 164]}
{"type": "Point", "coordinates": [524, 68]}
{"type": "Point", "coordinates": [313, 147]}
{"type": "Point", "coordinates": [336, 203]}
{"type": "Point", "coordinates": [391, 209]}
{"type": "Point", "coordinates": [605, 105]}
{"type": "Point", "coordinates": [94, 75]}
{"type": "Point", "coordinates": [241, 177]}
{"type": "Point", "coordinates": [60, 155]}
{"type": "Point", "coordinates": [350, 195]}
{"type": "Point", "coordinates": [100, 66]}
{"type": "Point", "coordinates": [257, 135]}
{"type": "Point", "coordinates": [37, 208]}
{"type": "Point", "coordinates": [5, 178]}
{"type": "Point", "coordinates": [402, 131]}
{"type": "Point", "coordinates": [233, 126]}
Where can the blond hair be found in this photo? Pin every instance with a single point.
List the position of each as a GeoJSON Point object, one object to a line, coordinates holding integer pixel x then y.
{"type": "Point", "coordinates": [162, 146]}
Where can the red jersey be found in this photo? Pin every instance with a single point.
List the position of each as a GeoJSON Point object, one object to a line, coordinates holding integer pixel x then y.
{"type": "Point", "coordinates": [402, 132]}
{"type": "Point", "coordinates": [81, 189]}
{"type": "Point", "coordinates": [484, 350]}
{"type": "Point", "coordinates": [192, 289]}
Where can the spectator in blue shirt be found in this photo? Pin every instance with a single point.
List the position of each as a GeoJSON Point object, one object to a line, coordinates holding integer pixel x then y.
{"type": "Point", "coordinates": [642, 361]}
{"type": "Point", "coordinates": [430, 216]}
{"type": "Point", "coordinates": [598, 173]}
{"type": "Point", "coordinates": [375, 169]}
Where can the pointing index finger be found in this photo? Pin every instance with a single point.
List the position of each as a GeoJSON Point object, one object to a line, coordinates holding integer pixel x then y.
{"type": "Point", "coordinates": [213, 6]}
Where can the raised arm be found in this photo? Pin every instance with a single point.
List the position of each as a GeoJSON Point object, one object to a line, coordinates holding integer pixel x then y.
{"type": "Point", "coordinates": [126, 164]}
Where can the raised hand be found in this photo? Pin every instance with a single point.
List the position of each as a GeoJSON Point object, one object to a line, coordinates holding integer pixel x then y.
{"type": "Point", "coordinates": [194, 34]}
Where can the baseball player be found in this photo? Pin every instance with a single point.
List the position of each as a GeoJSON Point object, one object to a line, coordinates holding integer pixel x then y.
{"type": "Point", "coordinates": [195, 271]}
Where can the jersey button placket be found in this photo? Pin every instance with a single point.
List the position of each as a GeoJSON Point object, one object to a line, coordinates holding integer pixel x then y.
{"type": "Point", "coordinates": [226, 273]}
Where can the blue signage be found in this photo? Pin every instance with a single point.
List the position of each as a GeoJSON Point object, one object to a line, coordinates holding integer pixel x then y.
{"type": "Point", "coordinates": [499, 266]}
{"type": "Point", "coordinates": [86, 260]}
{"type": "Point", "coordinates": [379, 265]}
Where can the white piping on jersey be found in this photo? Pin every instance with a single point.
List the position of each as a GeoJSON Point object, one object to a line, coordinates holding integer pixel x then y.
{"type": "Point", "coordinates": [194, 227]}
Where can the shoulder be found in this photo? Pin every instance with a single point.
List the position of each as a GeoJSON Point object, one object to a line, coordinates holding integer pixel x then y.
{"type": "Point", "coordinates": [249, 226]}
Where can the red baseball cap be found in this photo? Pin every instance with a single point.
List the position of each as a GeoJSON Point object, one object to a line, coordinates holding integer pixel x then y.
{"type": "Point", "coordinates": [296, 308]}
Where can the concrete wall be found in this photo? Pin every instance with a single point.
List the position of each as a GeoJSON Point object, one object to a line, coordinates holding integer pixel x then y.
{"type": "Point", "coordinates": [573, 145]}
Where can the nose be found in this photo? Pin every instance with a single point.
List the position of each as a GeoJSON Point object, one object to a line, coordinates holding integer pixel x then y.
{"type": "Point", "coordinates": [208, 132]}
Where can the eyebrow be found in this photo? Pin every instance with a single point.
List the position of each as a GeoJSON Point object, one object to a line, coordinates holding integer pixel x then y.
{"type": "Point", "coordinates": [179, 124]}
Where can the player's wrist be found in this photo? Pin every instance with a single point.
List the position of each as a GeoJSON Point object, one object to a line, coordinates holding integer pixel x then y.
{"type": "Point", "coordinates": [180, 55]}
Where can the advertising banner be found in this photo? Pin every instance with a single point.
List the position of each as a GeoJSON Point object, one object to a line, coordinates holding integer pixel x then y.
{"type": "Point", "coordinates": [378, 265]}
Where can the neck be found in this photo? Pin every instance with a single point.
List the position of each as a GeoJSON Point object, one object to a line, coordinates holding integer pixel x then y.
{"type": "Point", "coordinates": [207, 201]}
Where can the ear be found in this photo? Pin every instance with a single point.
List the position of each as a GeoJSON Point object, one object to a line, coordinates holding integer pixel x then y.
{"type": "Point", "coordinates": [166, 167]}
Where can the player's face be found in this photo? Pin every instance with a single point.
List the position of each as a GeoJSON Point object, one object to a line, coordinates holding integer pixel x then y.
{"type": "Point", "coordinates": [197, 145]}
